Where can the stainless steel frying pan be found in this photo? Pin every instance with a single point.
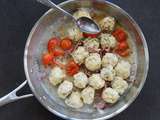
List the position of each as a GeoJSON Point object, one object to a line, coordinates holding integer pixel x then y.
{"type": "Point", "coordinates": [46, 27]}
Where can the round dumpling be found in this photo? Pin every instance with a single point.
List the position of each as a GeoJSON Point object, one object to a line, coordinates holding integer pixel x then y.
{"type": "Point", "coordinates": [65, 89]}
{"type": "Point", "coordinates": [107, 40]}
{"type": "Point", "coordinates": [93, 62]}
{"type": "Point", "coordinates": [74, 33]}
{"type": "Point", "coordinates": [74, 100]}
{"type": "Point", "coordinates": [91, 43]}
{"type": "Point", "coordinates": [56, 76]}
{"type": "Point", "coordinates": [96, 81]}
{"type": "Point", "coordinates": [82, 13]}
{"type": "Point", "coordinates": [80, 54]}
{"type": "Point", "coordinates": [123, 69]}
{"type": "Point", "coordinates": [119, 85]}
{"type": "Point", "coordinates": [80, 80]}
{"type": "Point", "coordinates": [110, 95]}
{"type": "Point", "coordinates": [108, 23]}
{"type": "Point", "coordinates": [108, 73]}
{"type": "Point", "coordinates": [109, 59]}
{"type": "Point", "coordinates": [88, 95]}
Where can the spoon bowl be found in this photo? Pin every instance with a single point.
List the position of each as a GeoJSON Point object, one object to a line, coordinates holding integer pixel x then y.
{"type": "Point", "coordinates": [87, 25]}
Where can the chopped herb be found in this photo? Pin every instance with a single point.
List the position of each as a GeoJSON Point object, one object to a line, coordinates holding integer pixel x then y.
{"type": "Point", "coordinates": [82, 39]}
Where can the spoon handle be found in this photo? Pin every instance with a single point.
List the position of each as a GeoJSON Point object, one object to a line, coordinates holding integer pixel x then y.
{"type": "Point", "coordinates": [49, 3]}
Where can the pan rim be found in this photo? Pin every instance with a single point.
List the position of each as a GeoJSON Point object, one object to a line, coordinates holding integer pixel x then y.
{"type": "Point", "coordinates": [120, 109]}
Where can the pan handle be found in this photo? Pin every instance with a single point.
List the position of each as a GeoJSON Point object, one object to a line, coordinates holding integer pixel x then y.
{"type": "Point", "coordinates": [11, 97]}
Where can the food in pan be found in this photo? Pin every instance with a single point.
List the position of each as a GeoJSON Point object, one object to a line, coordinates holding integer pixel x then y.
{"type": "Point", "coordinates": [86, 67]}
{"type": "Point", "coordinates": [80, 80]}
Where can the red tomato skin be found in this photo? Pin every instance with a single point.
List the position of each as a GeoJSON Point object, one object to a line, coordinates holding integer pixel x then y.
{"type": "Point", "coordinates": [57, 53]}
{"type": "Point", "coordinates": [72, 68]}
{"type": "Point", "coordinates": [47, 59]}
{"type": "Point", "coordinates": [123, 53]}
{"type": "Point", "coordinates": [52, 43]}
{"type": "Point", "coordinates": [120, 35]}
{"type": "Point", "coordinates": [66, 43]}
{"type": "Point", "coordinates": [123, 45]}
{"type": "Point", "coordinates": [87, 35]}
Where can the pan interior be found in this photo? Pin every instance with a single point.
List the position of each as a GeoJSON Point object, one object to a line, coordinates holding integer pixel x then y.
{"type": "Point", "coordinates": [47, 27]}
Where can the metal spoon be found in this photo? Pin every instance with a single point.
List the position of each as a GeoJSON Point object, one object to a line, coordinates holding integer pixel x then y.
{"type": "Point", "coordinates": [85, 24]}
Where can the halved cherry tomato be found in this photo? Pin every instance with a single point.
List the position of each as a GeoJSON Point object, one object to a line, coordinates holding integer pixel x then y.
{"type": "Point", "coordinates": [123, 53]}
{"type": "Point", "coordinates": [66, 43]}
{"type": "Point", "coordinates": [72, 68]}
{"type": "Point", "coordinates": [57, 53]}
{"type": "Point", "coordinates": [123, 45]}
{"type": "Point", "coordinates": [120, 35]}
{"type": "Point", "coordinates": [52, 43]}
{"type": "Point", "coordinates": [47, 59]}
{"type": "Point", "coordinates": [87, 35]}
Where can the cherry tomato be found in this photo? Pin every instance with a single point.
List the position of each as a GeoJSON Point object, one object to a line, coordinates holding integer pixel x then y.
{"type": "Point", "coordinates": [87, 35]}
{"type": "Point", "coordinates": [57, 53]}
{"type": "Point", "coordinates": [52, 43]}
{"type": "Point", "coordinates": [120, 35]}
{"type": "Point", "coordinates": [47, 59]}
{"type": "Point", "coordinates": [72, 68]}
{"type": "Point", "coordinates": [123, 45]}
{"type": "Point", "coordinates": [123, 53]}
{"type": "Point", "coordinates": [66, 43]}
